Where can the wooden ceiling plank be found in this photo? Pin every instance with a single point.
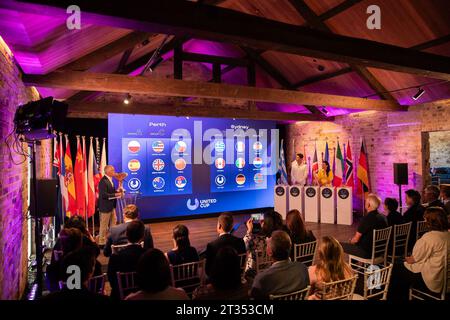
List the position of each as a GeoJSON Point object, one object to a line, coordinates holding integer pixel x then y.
{"type": "Point", "coordinates": [338, 9]}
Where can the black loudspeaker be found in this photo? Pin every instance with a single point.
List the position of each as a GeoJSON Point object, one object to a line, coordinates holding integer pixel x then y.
{"type": "Point", "coordinates": [46, 198]}
{"type": "Point", "coordinates": [401, 173]}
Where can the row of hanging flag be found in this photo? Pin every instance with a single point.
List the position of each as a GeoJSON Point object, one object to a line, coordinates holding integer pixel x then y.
{"type": "Point", "coordinates": [342, 166]}
{"type": "Point", "coordinates": [79, 181]}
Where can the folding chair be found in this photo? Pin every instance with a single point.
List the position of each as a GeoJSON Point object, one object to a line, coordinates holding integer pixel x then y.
{"type": "Point", "coordinates": [422, 228]}
{"type": "Point", "coordinates": [188, 276]}
{"type": "Point", "coordinates": [305, 252]}
{"type": "Point", "coordinates": [263, 260]}
{"type": "Point", "coordinates": [97, 284]}
{"type": "Point", "coordinates": [339, 290]}
{"type": "Point", "coordinates": [296, 295]}
{"type": "Point", "coordinates": [376, 284]}
{"type": "Point", "coordinates": [126, 282]}
{"type": "Point", "coordinates": [400, 241]}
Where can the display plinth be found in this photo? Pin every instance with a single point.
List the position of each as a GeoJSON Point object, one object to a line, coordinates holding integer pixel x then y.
{"type": "Point", "coordinates": [327, 205]}
{"type": "Point", "coordinates": [344, 205]}
{"type": "Point", "coordinates": [296, 198]}
{"type": "Point", "coordinates": [311, 195]}
{"type": "Point", "coordinates": [280, 199]}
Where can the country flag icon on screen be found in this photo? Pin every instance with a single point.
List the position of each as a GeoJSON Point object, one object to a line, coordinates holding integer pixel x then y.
{"type": "Point", "coordinates": [180, 164]}
{"type": "Point", "coordinates": [158, 183]}
{"type": "Point", "coordinates": [220, 180]}
{"type": "Point", "coordinates": [240, 179]}
{"type": "Point", "coordinates": [257, 146]}
{"type": "Point", "coordinates": [240, 146]}
{"type": "Point", "coordinates": [180, 182]}
{"type": "Point", "coordinates": [134, 146]}
{"type": "Point", "coordinates": [259, 178]}
{"type": "Point", "coordinates": [134, 184]}
{"type": "Point", "coordinates": [257, 162]}
{"type": "Point", "coordinates": [220, 163]}
{"type": "Point", "coordinates": [158, 146]}
{"type": "Point", "coordinates": [158, 164]}
{"type": "Point", "coordinates": [240, 163]}
{"type": "Point", "coordinates": [219, 146]}
{"type": "Point", "coordinates": [180, 146]}
{"type": "Point", "coordinates": [134, 165]}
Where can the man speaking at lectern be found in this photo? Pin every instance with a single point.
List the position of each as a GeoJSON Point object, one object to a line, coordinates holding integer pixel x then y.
{"type": "Point", "coordinates": [299, 170]}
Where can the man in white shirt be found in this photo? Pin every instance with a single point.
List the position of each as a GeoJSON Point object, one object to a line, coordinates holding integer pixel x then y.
{"type": "Point", "coordinates": [299, 170]}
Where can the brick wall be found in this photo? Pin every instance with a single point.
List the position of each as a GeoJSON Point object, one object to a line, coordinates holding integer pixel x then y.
{"type": "Point", "coordinates": [13, 182]}
{"type": "Point", "coordinates": [390, 137]}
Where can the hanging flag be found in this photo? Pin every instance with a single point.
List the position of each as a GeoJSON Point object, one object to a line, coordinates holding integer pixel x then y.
{"type": "Point", "coordinates": [56, 156]}
{"type": "Point", "coordinates": [97, 174]}
{"type": "Point", "coordinates": [327, 153]}
{"type": "Point", "coordinates": [363, 172]}
{"type": "Point", "coordinates": [79, 181]}
{"type": "Point", "coordinates": [91, 198]}
{"type": "Point", "coordinates": [85, 181]}
{"type": "Point", "coordinates": [62, 176]}
{"type": "Point", "coordinates": [282, 166]}
{"type": "Point", "coordinates": [103, 158]}
{"type": "Point", "coordinates": [70, 182]}
{"type": "Point", "coordinates": [349, 181]}
{"type": "Point", "coordinates": [315, 165]}
{"type": "Point", "coordinates": [339, 162]}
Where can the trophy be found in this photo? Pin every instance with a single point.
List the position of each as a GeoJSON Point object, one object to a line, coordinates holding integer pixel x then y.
{"type": "Point", "coordinates": [120, 177]}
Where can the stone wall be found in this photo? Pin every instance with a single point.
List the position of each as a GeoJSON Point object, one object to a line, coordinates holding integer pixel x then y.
{"type": "Point", "coordinates": [440, 149]}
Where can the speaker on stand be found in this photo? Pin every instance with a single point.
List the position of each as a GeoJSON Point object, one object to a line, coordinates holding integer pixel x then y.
{"type": "Point", "coordinates": [400, 178]}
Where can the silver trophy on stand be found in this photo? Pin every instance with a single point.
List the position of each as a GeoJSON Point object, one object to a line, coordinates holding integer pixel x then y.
{"type": "Point", "coordinates": [126, 199]}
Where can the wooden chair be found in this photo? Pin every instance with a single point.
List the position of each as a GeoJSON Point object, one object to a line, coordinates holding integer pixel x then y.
{"type": "Point", "coordinates": [97, 284]}
{"type": "Point", "coordinates": [305, 252]}
{"type": "Point", "coordinates": [425, 295]}
{"type": "Point", "coordinates": [376, 284]}
{"type": "Point", "coordinates": [422, 228]}
{"type": "Point", "coordinates": [188, 276]}
{"type": "Point", "coordinates": [297, 295]}
{"type": "Point", "coordinates": [263, 261]}
{"type": "Point", "coordinates": [115, 248]}
{"type": "Point", "coordinates": [400, 241]}
{"type": "Point", "coordinates": [339, 290]}
{"type": "Point", "coordinates": [379, 252]}
{"type": "Point", "coordinates": [126, 282]}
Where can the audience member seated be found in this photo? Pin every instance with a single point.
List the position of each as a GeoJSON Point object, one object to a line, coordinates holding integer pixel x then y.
{"type": "Point", "coordinates": [445, 194]}
{"type": "Point", "coordinates": [182, 252]}
{"type": "Point", "coordinates": [225, 279]}
{"type": "Point", "coordinates": [118, 235]}
{"type": "Point", "coordinates": [361, 243]}
{"type": "Point", "coordinates": [69, 240]}
{"type": "Point", "coordinates": [126, 260]}
{"type": "Point", "coordinates": [297, 230]}
{"type": "Point", "coordinates": [424, 269]}
{"type": "Point", "coordinates": [255, 242]}
{"type": "Point", "coordinates": [432, 194]}
{"type": "Point", "coordinates": [84, 258]}
{"type": "Point", "coordinates": [390, 208]}
{"type": "Point", "coordinates": [330, 267]}
{"type": "Point", "coordinates": [224, 226]}
{"type": "Point", "coordinates": [284, 276]}
{"type": "Point", "coordinates": [413, 214]}
{"type": "Point", "coordinates": [154, 279]}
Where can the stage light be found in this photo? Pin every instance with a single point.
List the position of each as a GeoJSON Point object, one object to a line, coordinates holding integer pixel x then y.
{"type": "Point", "coordinates": [325, 111]}
{"type": "Point", "coordinates": [127, 99]}
{"type": "Point", "coordinates": [418, 94]}
{"type": "Point", "coordinates": [155, 63]}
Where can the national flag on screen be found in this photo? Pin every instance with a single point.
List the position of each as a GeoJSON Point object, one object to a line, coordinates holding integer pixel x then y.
{"type": "Point", "coordinates": [363, 171]}
{"type": "Point", "coordinates": [315, 165]}
{"type": "Point", "coordinates": [240, 163]}
{"type": "Point", "coordinates": [91, 196]}
{"type": "Point", "coordinates": [240, 179]}
{"type": "Point", "coordinates": [349, 181]}
{"type": "Point", "coordinates": [339, 167]}
{"type": "Point", "coordinates": [79, 180]}
{"type": "Point", "coordinates": [327, 153]}
{"type": "Point", "coordinates": [69, 181]}
{"type": "Point", "coordinates": [282, 166]}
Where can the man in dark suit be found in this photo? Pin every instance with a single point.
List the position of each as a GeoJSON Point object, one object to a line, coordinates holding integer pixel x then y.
{"type": "Point", "coordinates": [127, 258]}
{"type": "Point", "coordinates": [118, 234]}
{"type": "Point", "coordinates": [432, 194]}
{"type": "Point", "coordinates": [224, 227]}
{"type": "Point", "coordinates": [107, 200]}
{"type": "Point", "coordinates": [284, 276]}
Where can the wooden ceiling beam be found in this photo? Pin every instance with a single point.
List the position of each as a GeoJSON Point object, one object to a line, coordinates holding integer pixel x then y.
{"type": "Point", "coordinates": [338, 9]}
{"type": "Point", "coordinates": [75, 80]}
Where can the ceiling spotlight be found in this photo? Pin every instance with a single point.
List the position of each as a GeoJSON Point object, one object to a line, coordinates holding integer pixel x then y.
{"type": "Point", "coordinates": [187, 118]}
{"type": "Point", "coordinates": [418, 94]}
{"type": "Point", "coordinates": [325, 111]}
{"type": "Point", "coordinates": [155, 63]}
{"type": "Point", "coordinates": [127, 99]}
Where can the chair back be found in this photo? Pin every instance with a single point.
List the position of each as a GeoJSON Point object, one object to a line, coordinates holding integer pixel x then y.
{"type": "Point", "coordinates": [376, 283]}
{"type": "Point", "coordinates": [188, 276]}
{"type": "Point", "coordinates": [380, 243]}
{"type": "Point", "coordinates": [400, 240]}
{"type": "Point", "coordinates": [116, 248]}
{"type": "Point", "coordinates": [339, 290]}
{"type": "Point", "coordinates": [422, 228]}
{"type": "Point", "coordinates": [305, 252]}
{"type": "Point", "coordinates": [97, 284]}
{"type": "Point", "coordinates": [126, 282]}
{"type": "Point", "coordinates": [263, 260]}
{"type": "Point", "coordinates": [297, 295]}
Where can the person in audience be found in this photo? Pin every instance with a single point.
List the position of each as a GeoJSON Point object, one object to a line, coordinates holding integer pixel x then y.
{"type": "Point", "coordinates": [225, 279]}
{"type": "Point", "coordinates": [432, 194]}
{"type": "Point", "coordinates": [445, 194]}
{"type": "Point", "coordinates": [361, 243]}
{"type": "Point", "coordinates": [330, 267]}
{"type": "Point", "coordinates": [84, 258]}
{"type": "Point", "coordinates": [69, 240]}
{"type": "Point", "coordinates": [117, 234]}
{"type": "Point", "coordinates": [127, 258]}
{"type": "Point", "coordinates": [424, 269]}
{"type": "Point", "coordinates": [413, 214]}
{"type": "Point", "coordinates": [284, 276]}
{"type": "Point", "coordinates": [390, 208]}
{"type": "Point", "coordinates": [182, 252]}
{"type": "Point", "coordinates": [154, 279]}
{"type": "Point", "coordinates": [297, 230]}
{"type": "Point", "coordinates": [224, 227]}
{"type": "Point", "coordinates": [257, 242]}
{"type": "Point", "coordinates": [324, 176]}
